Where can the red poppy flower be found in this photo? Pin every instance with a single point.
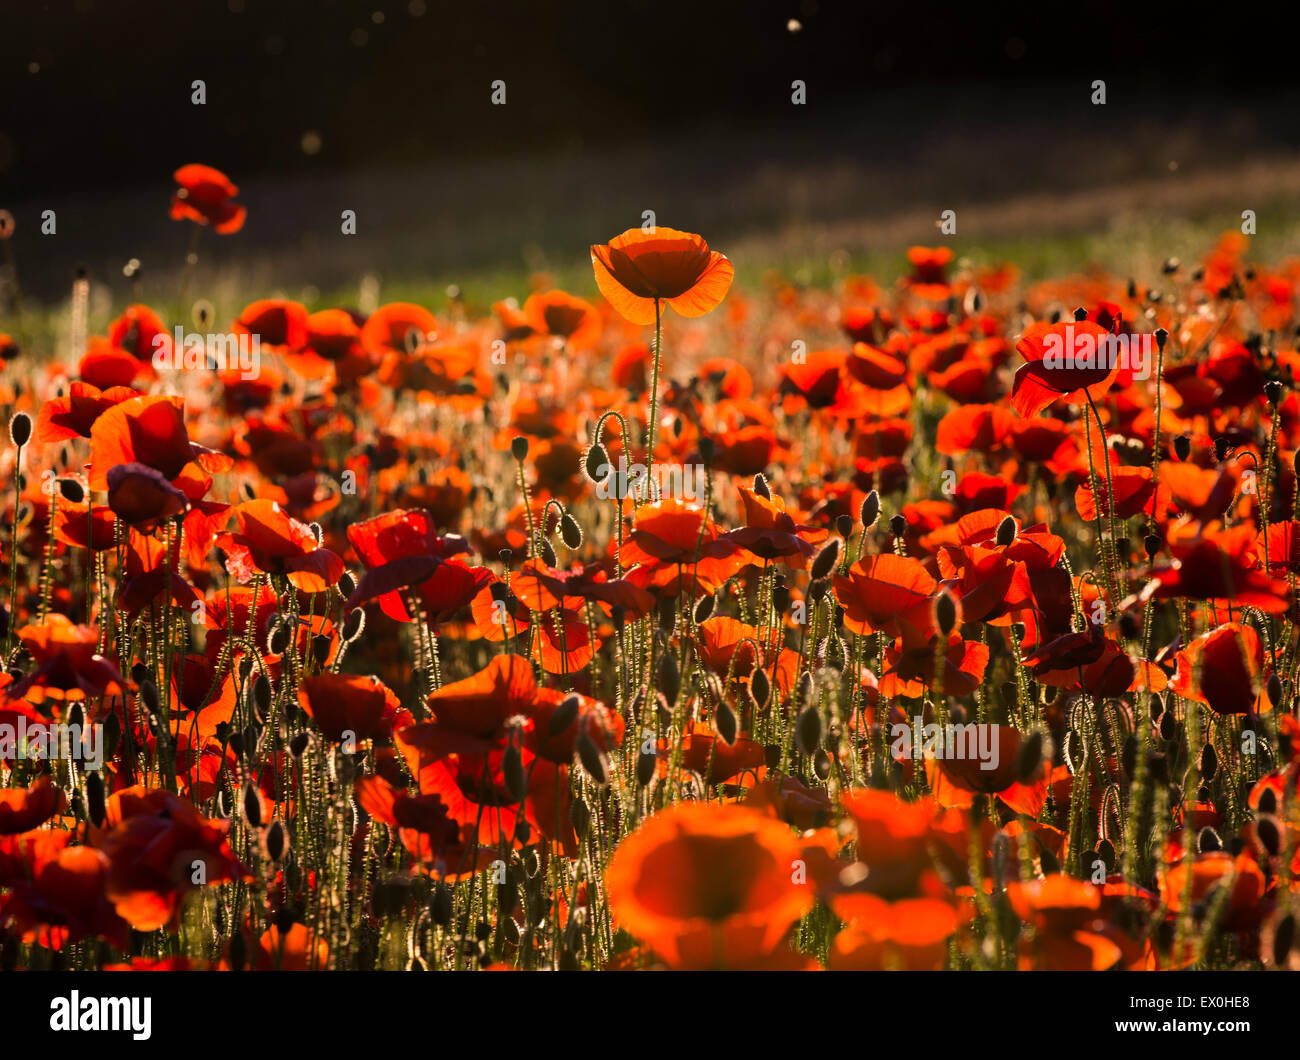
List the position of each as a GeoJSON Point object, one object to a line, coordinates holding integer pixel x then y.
{"type": "Point", "coordinates": [1062, 361]}
{"type": "Point", "coordinates": [637, 269]}
{"type": "Point", "coordinates": [1225, 670]}
{"type": "Point", "coordinates": [270, 541]}
{"type": "Point", "coordinates": [142, 498]}
{"type": "Point", "coordinates": [68, 663]}
{"type": "Point", "coordinates": [22, 809]}
{"type": "Point", "coordinates": [347, 708]}
{"type": "Point", "coordinates": [879, 592]}
{"type": "Point", "coordinates": [204, 196]}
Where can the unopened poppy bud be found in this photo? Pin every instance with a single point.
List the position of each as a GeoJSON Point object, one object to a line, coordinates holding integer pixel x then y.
{"type": "Point", "coordinates": [1162, 337]}
{"type": "Point", "coordinates": [252, 805]}
{"type": "Point", "coordinates": [645, 767]}
{"type": "Point", "coordinates": [347, 584]}
{"type": "Point", "coordinates": [149, 697]}
{"type": "Point", "coordinates": [1267, 802]}
{"type": "Point", "coordinates": [724, 718]}
{"type": "Point", "coordinates": [262, 694]}
{"type": "Point", "coordinates": [780, 599]}
{"type": "Point", "coordinates": [803, 690]}
{"type": "Point", "coordinates": [870, 510]}
{"type": "Point", "coordinates": [95, 807]}
{"type": "Point", "coordinates": [945, 612]}
{"type": "Point", "coordinates": [519, 447]}
{"type": "Point", "coordinates": [1182, 446]}
{"type": "Point", "coordinates": [1207, 763]}
{"type": "Point", "coordinates": [565, 715]}
{"type": "Point", "coordinates": [1273, 686]}
{"type": "Point", "coordinates": [817, 590]}
{"type": "Point", "coordinates": [593, 759]}
{"type": "Point", "coordinates": [1006, 531]}
{"type": "Point", "coordinates": [570, 531]}
{"type": "Point", "coordinates": [670, 678]}
{"type": "Point", "coordinates": [20, 429]}
{"type": "Point", "coordinates": [548, 553]}
{"type": "Point", "coordinates": [72, 490]}
{"type": "Point", "coordinates": [898, 525]}
{"type": "Point", "coordinates": [1269, 836]}
{"type": "Point", "coordinates": [580, 818]}
{"type": "Point", "coordinates": [512, 771]}
{"type": "Point", "coordinates": [1284, 935]}
{"type": "Point", "coordinates": [843, 526]}
{"type": "Point", "coordinates": [298, 745]}
{"type": "Point", "coordinates": [826, 559]}
{"type": "Point", "coordinates": [707, 449]}
{"type": "Point", "coordinates": [277, 841]}
{"type": "Point", "coordinates": [596, 463]}
{"type": "Point", "coordinates": [1221, 448]}
{"type": "Point", "coordinates": [704, 608]}
{"type": "Point", "coordinates": [808, 730]}
{"type": "Point", "coordinates": [1208, 841]}
{"type": "Point", "coordinates": [760, 686]}
{"type": "Point", "coordinates": [761, 487]}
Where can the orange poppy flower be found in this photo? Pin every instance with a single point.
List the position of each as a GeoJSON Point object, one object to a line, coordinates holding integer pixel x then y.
{"type": "Point", "coordinates": [1062, 361]}
{"type": "Point", "coordinates": [637, 269]}
{"type": "Point", "coordinates": [68, 663]}
{"type": "Point", "coordinates": [565, 316]}
{"type": "Point", "coordinates": [22, 809]}
{"type": "Point", "coordinates": [204, 196]}
{"type": "Point", "coordinates": [908, 935]}
{"type": "Point", "coordinates": [345, 707]}
{"type": "Point", "coordinates": [708, 886]}
{"type": "Point", "coordinates": [269, 540]}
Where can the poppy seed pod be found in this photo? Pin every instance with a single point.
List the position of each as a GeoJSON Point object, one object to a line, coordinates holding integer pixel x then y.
{"type": "Point", "coordinates": [1182, 446]}
{"type": "Point", "coordinates": [596, 463]}
{"type": "Point", "coordinates": [1080, 314]}
{"type": "Point", "coordinates": [570, 531]}
{"type": "Point", "coordinates": [519, 447]}
{"type": "Point", "coordinates": [704, 608]}
{"type": "Point", "coordinates": [1273, 391]}
{"type": "Point", "coordinates": [1152, 545]}
{"type": "Point", "coordinates": [808, 730]}
{"type": "Point", "coordinates": [826, 559]}
{"type": "Point", "coordinates": [20, 429]}
{"type": "Point", "coordinates": [870, 511]}
{"type": "Point", "coordinates": [945, 612]}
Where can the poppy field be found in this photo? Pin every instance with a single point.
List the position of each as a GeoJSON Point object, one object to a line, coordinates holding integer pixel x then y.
{"type": "Point", "coordinates": [672, 621]}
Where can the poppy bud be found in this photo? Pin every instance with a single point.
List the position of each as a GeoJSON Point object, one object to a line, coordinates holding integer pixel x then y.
{"type": "Point", "coordinates": [724, 719]}
{"type": "Point", "coordinates": [596, 463]}
{"type": "Point", "coordinates": [298, 745]}
{"type": "Point", "coordinates": [1269, 837]}
{"type": "Point", "coordinates": [20, 429]}
{"type": "Point", "coordinates": [870, 510]}
{"type": "Point", "coordinates": [548, 553]}
{"type": "Point", "coordinates": [347, 584]}
{"type": "Point", "coordinates": [707, 448]}
{"type": "Point", "coordinates": [565, 715]}
{"type": "Point", "coordinates": [780, 599]}
{"type": "Point", "coordinates": [1080, 314]}
{"type": "Point", "coordinates": [817, 590]}
{"type": "Point", "coordinates": [826, 559]}
{"type": "Point", "coordinates": [843, 526]}
{"type": "Point", "coordinates": [803, 690]}
{"type": "Point", "coordinates": [1182, 446]}
{"type": "Point", "coordinates": [593, 759]}
{"type": "Point", "coordinates": [1152, 544]}
{"type": "Point", "coordinates": [512, 771]}
{"type": "Point", "coordinates": [1207, 763]}
{"type": "Point", "coordinates": [833, 653]}
{"type": "Point", "coordinates": [760, 687]}
{"type": "Point", "coordinates": [1273, 391]}
{"type": "Point", "coordinates": [704, 608]}
{"type": "Point", "coordinates": [1029, 757]}
{"type": "Point", "coordinates": [945, 612]}
{"type": "Point", "coordinates": [570, 531]}
{"type": "Point", "coordinates": [1267, 802]}
{"type": "Point", "coordinates": [252, 806]}
{"type": "Point", "coordinates": [1208, 841]}
{"type": "Point", "coordinates": [670, 678]}
{"type": "Point", "coordinates": [1105, 852]}
{"type": "Point", "coordinates": [277, 841]}
{"type": "Point", "coordinates": [95, 808]}
{"type": "Point", "coordinates": [821, 764]}
{"type": "Point", "coordinates": [645, 768]}
{"type": "Point", "coordinates": [1006, 531]}
{"type": "Point", "coordinates": [1167, 725]}
{"type": "Point", "coordinates": [808, 730]}
{"type": "Point", "coordinates": [354, 624]}
{"type": "Point", "coordinates": [149, 697]}
{"type": "Point", "coordinates": [519, 447]}
{"type": "Point", "coordinates": [72, 490]}
{"type": "Point", "coordinates": [580, 818]}
{"type": "Point", "coordinates": [262, 695]}
{"type": "Point", "coordinates": [1221, 448]}
{"type": "Point", "coordinates": [898, 525]}
{"type": "Point", "coordinates": [1284, 934]}
{"type": "Point", "coordinates": [1273, 686]}
{"type": "Point", "coordinates": [440, 904]}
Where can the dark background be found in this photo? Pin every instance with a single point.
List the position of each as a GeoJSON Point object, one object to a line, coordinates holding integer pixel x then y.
{"type": "Point", "coordinates": [97, 92]}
